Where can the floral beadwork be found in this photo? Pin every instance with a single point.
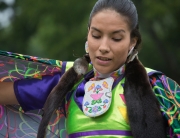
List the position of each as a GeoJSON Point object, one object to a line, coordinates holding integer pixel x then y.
{"type": "Point", "coordinates": [97, 97]}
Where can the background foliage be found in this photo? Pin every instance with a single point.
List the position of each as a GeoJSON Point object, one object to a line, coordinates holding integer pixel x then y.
{"type": "Point", "coordinates": [57, 29]}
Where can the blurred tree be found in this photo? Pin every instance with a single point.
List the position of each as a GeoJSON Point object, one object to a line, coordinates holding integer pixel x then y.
{"type": "Point", "coordinates": [55, 29]}
{"type": "Point", "coordinates": [3, 5]}
{"type": "Point", "coordinates": [159, 27]}
{"type": "Point", "coordinates": [46, 28]}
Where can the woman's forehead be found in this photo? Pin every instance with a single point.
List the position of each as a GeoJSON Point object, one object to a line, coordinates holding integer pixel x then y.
{"type": "Point", "coordinates": [109, 19]}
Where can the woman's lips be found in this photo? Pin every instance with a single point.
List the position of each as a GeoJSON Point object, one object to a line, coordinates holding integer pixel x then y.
{"type": "Point", "coordinates": [103, 60]}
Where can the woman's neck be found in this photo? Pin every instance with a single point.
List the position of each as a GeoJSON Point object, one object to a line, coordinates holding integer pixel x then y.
{"type": "Point", "coordinates": [115, 74]}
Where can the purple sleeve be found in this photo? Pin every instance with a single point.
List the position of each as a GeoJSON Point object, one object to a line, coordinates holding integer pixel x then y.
{"type": "Point", "coordinates": [32, 93]}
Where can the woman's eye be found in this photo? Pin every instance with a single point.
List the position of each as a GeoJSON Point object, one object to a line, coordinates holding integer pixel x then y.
{"type": "Point", "coordinates": [96, 36]}
{"type": "Point", "coordinates": [117, 39]}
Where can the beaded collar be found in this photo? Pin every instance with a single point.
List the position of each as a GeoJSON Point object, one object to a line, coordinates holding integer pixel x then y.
{"type": "Point", "coordinates": [98, 92]}
{"type": "Point", "coordinates": [115, 74]}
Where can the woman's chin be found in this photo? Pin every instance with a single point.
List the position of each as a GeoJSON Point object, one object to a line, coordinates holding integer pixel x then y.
{"type": "Point", "coordinates": [103, 70]}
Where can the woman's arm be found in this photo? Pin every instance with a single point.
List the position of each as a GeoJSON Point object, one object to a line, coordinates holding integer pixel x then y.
{"type": "Point", "coordinates": [167, 92]}
{"type": "Point", "coordinates": [29, 93]}
{"type": "Point", "coordinates": [7, 95]}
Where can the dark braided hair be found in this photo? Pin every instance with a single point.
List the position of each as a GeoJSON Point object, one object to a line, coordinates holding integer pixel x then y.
{"type": "Point", "coordinates": [58, 93]}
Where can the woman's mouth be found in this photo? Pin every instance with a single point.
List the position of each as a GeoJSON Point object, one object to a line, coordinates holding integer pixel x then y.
{"type": "Point", "coordinates": [103, 61]}
{"type": "Point", "coordinates": [104, 58]}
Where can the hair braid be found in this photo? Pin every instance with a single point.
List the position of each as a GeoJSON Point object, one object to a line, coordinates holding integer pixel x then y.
{"type": "Point", "coordinates": [59, 92]}
{"type": "Point", "coordinates": [143, 108]}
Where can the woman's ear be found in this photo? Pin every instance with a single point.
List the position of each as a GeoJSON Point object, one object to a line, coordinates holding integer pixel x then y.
{"type": "Point", "coordinates": [133, 42]}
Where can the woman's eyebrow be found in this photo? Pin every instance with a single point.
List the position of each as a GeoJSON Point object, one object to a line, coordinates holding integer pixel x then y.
{"type": "Point", "coordinates": [118, 31]}
{"type": "Point", "coordinates": [95, 29]}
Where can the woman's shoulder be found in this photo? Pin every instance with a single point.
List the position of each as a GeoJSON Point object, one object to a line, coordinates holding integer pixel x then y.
{"type": "Point", "coordinates": [158, 78]}
{"type": "Point", "coordinates": [160, 81]}
{"type": "Point", "coordinates": [68, 64]}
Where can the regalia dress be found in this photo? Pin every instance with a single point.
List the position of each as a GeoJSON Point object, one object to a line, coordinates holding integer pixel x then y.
{"type": "Point", "coordinates": [35, 77]}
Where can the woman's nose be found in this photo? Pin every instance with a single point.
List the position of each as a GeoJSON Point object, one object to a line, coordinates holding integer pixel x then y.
{"type": "Point", "coordinates": [104, 47]}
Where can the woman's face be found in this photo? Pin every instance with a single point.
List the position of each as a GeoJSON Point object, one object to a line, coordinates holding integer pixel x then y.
{"type": "Point", "coordinates": [109, 41]}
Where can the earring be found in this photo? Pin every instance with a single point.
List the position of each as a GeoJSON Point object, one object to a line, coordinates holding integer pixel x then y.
{"type": "Point", "coordinates": [86, 47]}
{"type": "Point", "coordinates": [131, 55]}
{"type": "Point", "coordinates": [130, 52]}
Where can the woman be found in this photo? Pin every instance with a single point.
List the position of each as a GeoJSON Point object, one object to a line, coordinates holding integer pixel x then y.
{"type": "Point", "coordinates": [118, 96]}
